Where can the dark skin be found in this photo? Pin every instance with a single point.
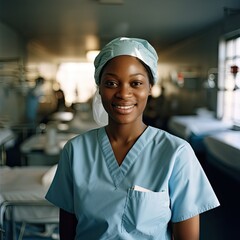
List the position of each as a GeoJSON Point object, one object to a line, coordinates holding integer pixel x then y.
{"type": "Point", "coordinates": [124, 96]}
{"type": "Point", "coordinates": [67, 225]}
{"type": "Point", "coordinates": [124, 88]}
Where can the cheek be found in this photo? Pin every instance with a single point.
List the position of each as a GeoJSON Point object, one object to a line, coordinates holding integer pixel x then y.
{"type": "Point", "coordinates": [143, 98]}
{"type": "Point", "coordinates": [104, 95]}
{"type": "Point", "coordinates": [144, 95]}
{"type": "Point", "coordinates": [105, 98]}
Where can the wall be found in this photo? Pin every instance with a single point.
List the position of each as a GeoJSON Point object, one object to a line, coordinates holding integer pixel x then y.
{"type": "Point", "coordinates": [12, 45]}
{"type": "Point", "coordinates": [12, 59]}
{"type": "Point", "coordinates": [197, 54]}
{"type": "Point", "coordinates": [20, 63]}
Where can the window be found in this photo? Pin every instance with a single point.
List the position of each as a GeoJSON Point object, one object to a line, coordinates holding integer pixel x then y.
{"type": "Point", "coordinates": [229, 80]}
{"type": "Point", "coordinates": [76, 81]}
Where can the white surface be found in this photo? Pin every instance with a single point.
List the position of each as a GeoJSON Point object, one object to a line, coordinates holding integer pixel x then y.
{"type": "Point", "coordinates": [184, 126]}
{"type": "Point", "coordinates": [6, 136]}
{"type": "Point", "coordinates": [24, 184]}
{"type": "Point", "coordinates": [225, 147]}
{"type": "Point", "coordinates": [62, 116]}
{"type": "Point", "coordinates": [48, 176]}
{"type": "Point", "coordinates": [40, 142]}
{"type": "Point", "coordinates": [52, 142]}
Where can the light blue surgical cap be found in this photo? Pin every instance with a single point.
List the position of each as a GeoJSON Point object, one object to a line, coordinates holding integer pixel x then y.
{"type": "Point", "coordinates": [135, 47]}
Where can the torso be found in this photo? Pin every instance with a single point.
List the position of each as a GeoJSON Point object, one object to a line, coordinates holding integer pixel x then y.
{"type": "Point", "coordinates": [102, 194]}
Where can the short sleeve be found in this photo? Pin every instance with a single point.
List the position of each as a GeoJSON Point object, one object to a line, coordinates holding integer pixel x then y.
{"type": "Point", "coordinates": [190, 189]}
{"type": "Point", "coordinates": [60, 192]}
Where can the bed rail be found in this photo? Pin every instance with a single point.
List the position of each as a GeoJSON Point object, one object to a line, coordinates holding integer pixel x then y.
{"type": "Point", "coordinates": [7, 212]}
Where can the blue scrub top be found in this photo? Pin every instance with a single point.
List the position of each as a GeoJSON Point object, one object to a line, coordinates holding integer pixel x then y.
{"type": "Point", "coordinates": [171, 186]}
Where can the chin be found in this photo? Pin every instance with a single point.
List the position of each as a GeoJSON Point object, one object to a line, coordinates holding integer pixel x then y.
{"type": "Point", "coordinates": [124, 120]}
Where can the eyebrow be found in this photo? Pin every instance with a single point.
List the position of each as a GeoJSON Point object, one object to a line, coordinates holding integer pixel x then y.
{"type": "Point", "coordinates": [132, 75]}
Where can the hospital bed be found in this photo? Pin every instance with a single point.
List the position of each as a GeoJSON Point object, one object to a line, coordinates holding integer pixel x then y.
{"type": "Point", "coordinates": [24, 212]}
{"type": "Point", "coordinates": [7, 139]}
{"type": "Point", "coordinates": [223, 152]}
{"type": "Point", "coordinates": [44, 148]}
{"type": "Point", "coordinates": [194, 128]}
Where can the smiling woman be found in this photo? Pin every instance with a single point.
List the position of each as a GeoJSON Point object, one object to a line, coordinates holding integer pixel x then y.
{"type": "Point", "coordinates": [127, 180]}
{"type": "Point", "coordinates": [125, 93]}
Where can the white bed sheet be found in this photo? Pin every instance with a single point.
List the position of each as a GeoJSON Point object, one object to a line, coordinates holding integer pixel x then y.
{"type": "Point", "coordinates": [39, 142]}
{"type": "Point", "coordinates": [24, 184]}
{"type": "Point", "coordinates": [185, 126]}
{"type": "Point", "coordinates": [225, 149]}
{"type": "Point", "coordinates": [6, 137]}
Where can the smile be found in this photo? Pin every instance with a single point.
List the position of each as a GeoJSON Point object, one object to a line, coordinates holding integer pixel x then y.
{"type": "Point", "coordinates": [124, 107]}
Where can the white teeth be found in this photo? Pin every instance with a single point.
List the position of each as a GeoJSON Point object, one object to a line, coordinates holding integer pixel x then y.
{"type": "Point", "coordinates": [125, 107]}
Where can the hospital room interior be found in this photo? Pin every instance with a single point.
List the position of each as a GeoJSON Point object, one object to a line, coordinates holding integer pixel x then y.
{"type": "Point", "coordinates": [47, 88]}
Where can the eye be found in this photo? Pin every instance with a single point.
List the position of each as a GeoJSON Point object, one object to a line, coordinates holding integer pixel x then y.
{"type": "Point", "coordinates": [110, 83]}
{"type": "Point", "coordinates": [136, 83]}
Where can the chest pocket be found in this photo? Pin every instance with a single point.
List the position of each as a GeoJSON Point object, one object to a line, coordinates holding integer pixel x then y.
{"type": "Point", "coordinates": [146, 214]}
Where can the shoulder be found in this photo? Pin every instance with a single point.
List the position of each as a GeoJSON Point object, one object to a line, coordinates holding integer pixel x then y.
{"type": "Point", "coordinates": [81, 149]}
{"type": "Point", "coordinates": [163, 137]}
{"type": "Point", "coordinates": [86, 137]}
{"type": "Point", "coordinates": [171, 147]}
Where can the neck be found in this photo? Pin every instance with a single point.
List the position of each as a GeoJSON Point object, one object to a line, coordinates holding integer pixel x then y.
{"type": "Point", "coordinates": [125, 132]}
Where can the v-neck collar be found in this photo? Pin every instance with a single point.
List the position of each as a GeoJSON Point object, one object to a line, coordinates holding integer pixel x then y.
{"type": "Point", "coordinates": [119, 172]}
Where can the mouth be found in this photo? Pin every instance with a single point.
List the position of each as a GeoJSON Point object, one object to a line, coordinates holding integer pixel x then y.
{"type": "Point", "coordinates": [123, 109]}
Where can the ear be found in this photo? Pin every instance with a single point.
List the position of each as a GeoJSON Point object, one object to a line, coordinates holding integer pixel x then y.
{"type": "Point", "coordinates": [150, 90]}
{"type": "Point", "coordinates": [98, 90]}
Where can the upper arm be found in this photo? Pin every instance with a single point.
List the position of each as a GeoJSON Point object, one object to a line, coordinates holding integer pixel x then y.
{"type": "Point", "coordinates": [67, 225]}
{"type": "Point", "coordinates": [186, 230]}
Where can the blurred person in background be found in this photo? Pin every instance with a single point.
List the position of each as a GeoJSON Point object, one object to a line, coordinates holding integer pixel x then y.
{"type": "Point", "coordinates": [32, 101]}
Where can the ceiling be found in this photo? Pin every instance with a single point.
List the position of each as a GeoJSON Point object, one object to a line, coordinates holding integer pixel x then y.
{"type": "Point", "coordinates": [66, 29]}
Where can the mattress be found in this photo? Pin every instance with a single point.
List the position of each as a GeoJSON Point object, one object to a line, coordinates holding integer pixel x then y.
{"type": "Point", "coordinates": [38, 142]}
{"type": "Point", "coordinates": [24, 189]}
{"type": "Point", "coordinates": [223, 151]}
{"type": "Point", "coordinates": [186, 126]}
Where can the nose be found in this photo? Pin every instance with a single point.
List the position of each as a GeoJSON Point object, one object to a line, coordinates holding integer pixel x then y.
{"type": "Point", "coordinates": [124, 91]}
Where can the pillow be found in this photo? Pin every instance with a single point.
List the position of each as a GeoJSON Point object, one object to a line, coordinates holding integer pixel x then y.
{"type": "Point", "coordinates": [48, 176]}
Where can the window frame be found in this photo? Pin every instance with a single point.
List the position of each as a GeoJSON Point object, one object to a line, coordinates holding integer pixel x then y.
{"type": "Point", "coordinates": [228, 100]}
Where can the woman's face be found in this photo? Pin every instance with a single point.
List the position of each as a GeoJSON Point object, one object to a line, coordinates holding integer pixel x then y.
{"type": "Point", "coordinates": [124, 89]}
